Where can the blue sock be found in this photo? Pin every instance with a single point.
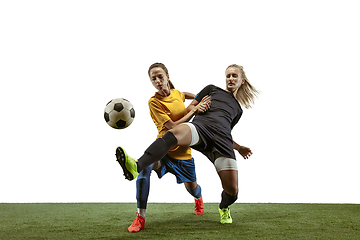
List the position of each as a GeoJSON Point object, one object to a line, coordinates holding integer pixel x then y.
{"type": "Point", "coordinates": [143, 187]}
{"type": "Point", "coordinates": [196, 192]}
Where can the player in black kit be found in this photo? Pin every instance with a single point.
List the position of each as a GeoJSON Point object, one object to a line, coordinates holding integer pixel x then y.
{"type": "Point", "coordinates": [209, 133]}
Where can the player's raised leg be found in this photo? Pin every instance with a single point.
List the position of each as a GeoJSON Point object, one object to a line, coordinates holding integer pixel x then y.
{"type": "Point", "coordinates": [180, 135]}
{"type": "Point", "coordinates": [127, 163]}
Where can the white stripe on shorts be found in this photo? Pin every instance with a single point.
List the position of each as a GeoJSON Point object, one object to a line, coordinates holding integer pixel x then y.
{"type": "Point", "coordinates": [194, 134]}
{"type": "Point", "coordinates": [224, 163]}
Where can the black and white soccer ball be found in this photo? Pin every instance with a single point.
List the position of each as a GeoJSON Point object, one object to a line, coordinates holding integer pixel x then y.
{"type": "Point", "coordinates": [119, 113]}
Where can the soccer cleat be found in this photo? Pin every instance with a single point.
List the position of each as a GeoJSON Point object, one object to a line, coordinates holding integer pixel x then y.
{"type": "Point", "coordinates": [199, 206]}
{"type": "Point", "coordinates": [225, 215]}
{"type": "Point", "coordinates": [138, 224]}
{"type": "Point", "coordinates": [127, 163]}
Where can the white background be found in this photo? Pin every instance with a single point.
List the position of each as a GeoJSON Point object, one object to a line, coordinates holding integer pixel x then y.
{"type": "Point", "coordinates": [62, 61]}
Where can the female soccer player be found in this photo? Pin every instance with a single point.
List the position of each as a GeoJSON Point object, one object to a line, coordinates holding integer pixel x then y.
{"type": "Point", "coordinates": [209, 133]}
{"type": "Point", "coordinates": [167, 110]}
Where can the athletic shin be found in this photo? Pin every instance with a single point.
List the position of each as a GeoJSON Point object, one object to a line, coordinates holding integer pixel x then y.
{"type": "Point", "coordinates": [143, 187]}
{"type": "Point", "coordinates": [196, 193]}
{"type": "Point", "coordinates": [156, 151]}
{"type": "Point", "coordinates": [227, 200]}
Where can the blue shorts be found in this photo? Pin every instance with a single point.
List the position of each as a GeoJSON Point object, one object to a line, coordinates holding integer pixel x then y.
{"type": "Point", "coordinates": [184, 170]}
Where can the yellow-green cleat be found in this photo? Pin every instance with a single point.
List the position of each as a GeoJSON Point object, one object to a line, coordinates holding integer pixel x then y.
{"type": "Point", "coordinates": [225, 215]}
{"type": "Point", "coordinates": [127, 163]}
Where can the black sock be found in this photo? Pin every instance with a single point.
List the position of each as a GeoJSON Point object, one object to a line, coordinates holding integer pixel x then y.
{"type": "Point", "coordinates": [156, 151]}
{"type": "Point", "coordinates": [226, 200]}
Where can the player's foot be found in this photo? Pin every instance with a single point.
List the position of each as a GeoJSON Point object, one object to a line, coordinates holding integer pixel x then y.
{"type": "Point", "coordinates": [199, 206]}
{"type": "Point", "coordinates": [127, 163]}
{"type": "Point", "coordinates": [138, 224]}
{"type": "Point", "coordinates": [225, 215]}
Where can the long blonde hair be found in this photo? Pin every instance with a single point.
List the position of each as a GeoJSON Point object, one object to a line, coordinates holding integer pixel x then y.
{"type": "Point", "coordinates": [246, 93]}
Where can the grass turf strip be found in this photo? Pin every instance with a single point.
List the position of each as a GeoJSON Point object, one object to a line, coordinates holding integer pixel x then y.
{"type": "Point", "coordinates": [177, 221]}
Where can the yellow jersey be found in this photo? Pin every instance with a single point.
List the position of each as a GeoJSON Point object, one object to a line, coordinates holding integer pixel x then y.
{"type": "Point", "coordinates": [162, 109]}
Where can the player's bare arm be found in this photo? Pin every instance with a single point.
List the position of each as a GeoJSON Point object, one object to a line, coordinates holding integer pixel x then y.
{"type": "Point", "coordinates": [245, 152]}
{"type": "Point", "coordinates": [189, 95]}
{"type": "Point", "coordinates": [201, 107]}
{"type": "Point", "coordinates": [193, 108]}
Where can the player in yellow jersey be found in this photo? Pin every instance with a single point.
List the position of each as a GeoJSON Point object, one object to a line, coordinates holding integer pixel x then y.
{"type": "Point", "coordinates": [167, 110]}
{"type": "Point", "coordinates": [209, 132]}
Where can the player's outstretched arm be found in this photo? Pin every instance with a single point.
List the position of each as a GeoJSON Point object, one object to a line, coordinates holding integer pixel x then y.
{"type": "Point", "coordinates": [245, 152]}
{"type": "Point", "coordinates": [189, 95]}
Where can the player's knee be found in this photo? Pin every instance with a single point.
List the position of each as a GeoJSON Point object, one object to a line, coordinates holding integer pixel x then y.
{"type": "Point", "coordinates": [145, 174]}
{"type": "Point", "coordinates": [175, 131]}
{"type": "Point", "coordinates": [182, 133]}
{"type": "Point", "coordinates": [190, 185]}
{"type": "Point", "coordinates": [232, 190]}
{"type": "Point", "coordinates": [156, 165]}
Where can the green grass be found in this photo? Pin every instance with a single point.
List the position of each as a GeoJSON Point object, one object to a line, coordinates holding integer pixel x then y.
{"type": "Point", "coordinates": [177, 221]}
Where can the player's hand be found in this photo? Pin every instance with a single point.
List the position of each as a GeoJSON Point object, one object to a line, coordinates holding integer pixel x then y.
{"type": "Point", "coordinates": [204, 105]}
{"type": "Point", "coordinates": [245, 152]}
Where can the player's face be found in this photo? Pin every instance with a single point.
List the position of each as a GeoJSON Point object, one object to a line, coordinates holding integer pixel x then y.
{"type": "Point", "coordinates": [160, 81]}
{"type": "Point", "coordinates": [233, 79]}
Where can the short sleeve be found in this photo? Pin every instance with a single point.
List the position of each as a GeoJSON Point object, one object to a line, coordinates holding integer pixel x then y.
{"type": "Point", "coordinates": [204, 92]}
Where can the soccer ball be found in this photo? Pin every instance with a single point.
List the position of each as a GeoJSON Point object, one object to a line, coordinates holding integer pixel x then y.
{"type": "Point", "coordinates": [119, 113]}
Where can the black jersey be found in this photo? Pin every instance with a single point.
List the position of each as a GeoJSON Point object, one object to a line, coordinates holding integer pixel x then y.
{"type": "Point", "coordinates": [214, 126]}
